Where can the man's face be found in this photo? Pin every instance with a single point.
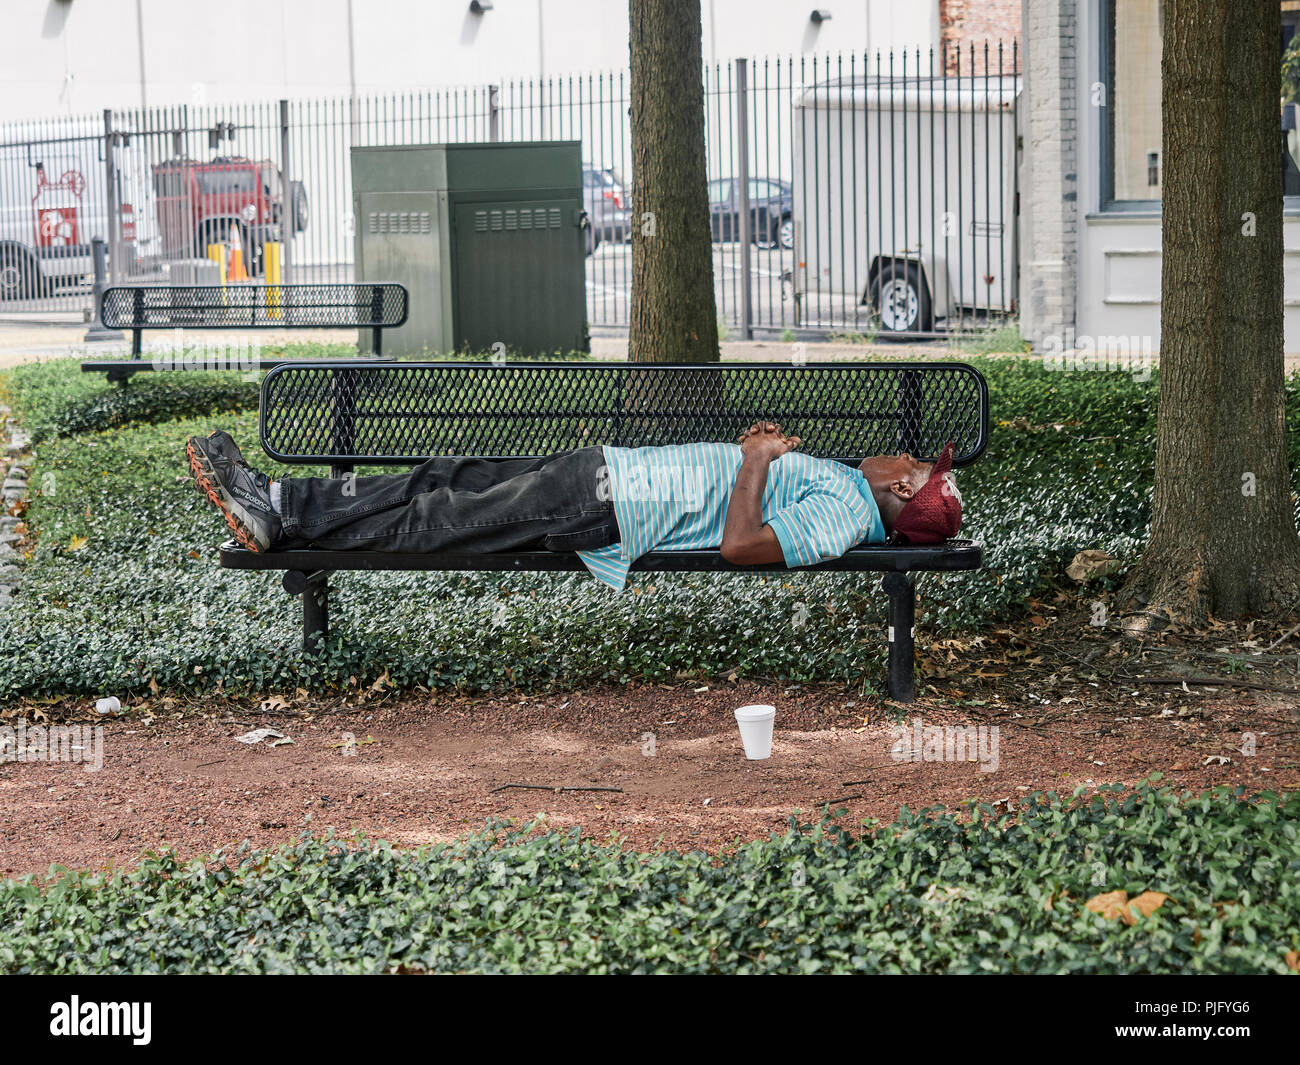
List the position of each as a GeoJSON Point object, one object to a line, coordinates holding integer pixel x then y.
{"type": "Point", "coordinates": [894, 480]}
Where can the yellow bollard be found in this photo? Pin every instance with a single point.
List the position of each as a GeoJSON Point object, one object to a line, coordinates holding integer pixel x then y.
{"type": "Point", "coordinates": [271, 261]}
{"type": "Point", "coordinates": [217, 253]}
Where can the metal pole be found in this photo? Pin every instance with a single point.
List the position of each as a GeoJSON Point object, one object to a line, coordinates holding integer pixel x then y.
{"type": "Point", "coordinates": [110, 199]}
{"type": "Point", "coordinates": [97, 331]}
{"type": "Point", "coordinates": [288, 201]}
{"type": "Point", "coordinates": [742, 198]}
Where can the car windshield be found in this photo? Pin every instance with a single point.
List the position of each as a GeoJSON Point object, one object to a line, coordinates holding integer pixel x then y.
{"type": "Point", "coordinates": [225, 181]}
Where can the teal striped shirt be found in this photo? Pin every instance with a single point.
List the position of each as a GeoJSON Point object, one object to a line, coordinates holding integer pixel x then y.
{"type": "Point", "coordinates": [675, 499]}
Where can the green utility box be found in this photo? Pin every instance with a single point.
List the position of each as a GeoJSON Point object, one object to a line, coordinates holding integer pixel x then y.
{"type": "Point", "coordinates": [487, 239]}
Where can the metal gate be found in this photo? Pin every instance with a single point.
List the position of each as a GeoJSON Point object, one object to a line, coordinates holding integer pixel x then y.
{"type": "Point", "coordinates": [849, 194]}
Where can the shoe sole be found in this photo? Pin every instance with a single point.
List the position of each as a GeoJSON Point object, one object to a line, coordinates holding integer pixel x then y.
{"type": "Point", "coordinates": [205, 481]}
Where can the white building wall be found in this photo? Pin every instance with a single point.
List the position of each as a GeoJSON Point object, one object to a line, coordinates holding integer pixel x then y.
{"type": "Point", "coordinates": [80, 56]}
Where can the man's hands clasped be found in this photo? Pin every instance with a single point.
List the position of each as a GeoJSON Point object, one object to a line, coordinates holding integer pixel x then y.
{"type": "Point", "coordinates": [765, 440]}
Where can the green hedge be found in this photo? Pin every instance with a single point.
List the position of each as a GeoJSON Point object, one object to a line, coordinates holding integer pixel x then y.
{"type": "Point", "coordinates": [935, 891]}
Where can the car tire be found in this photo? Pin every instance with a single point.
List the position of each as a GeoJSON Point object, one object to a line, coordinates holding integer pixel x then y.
{"type": "Point", "coordinates": [900, 299]}
{"type": "Point", "coordinates": [785, 233]}
{"type": "Point", "coordinates": [299, 208]}
{"type": "Point", "coordinates": [19, 274]}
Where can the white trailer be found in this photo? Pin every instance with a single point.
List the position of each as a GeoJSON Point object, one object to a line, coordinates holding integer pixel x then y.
{"type": "Point", "coordinates": [54, 201]}
{"type": "Point", "coordinates": [909, 201]}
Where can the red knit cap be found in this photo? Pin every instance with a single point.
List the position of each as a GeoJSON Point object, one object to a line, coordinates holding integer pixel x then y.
{"type": "Point", "coordinates": [934, 513]}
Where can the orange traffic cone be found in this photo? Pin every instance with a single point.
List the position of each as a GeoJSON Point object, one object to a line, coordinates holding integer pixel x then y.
{"type": "Point", "coordinates": [237, 271]}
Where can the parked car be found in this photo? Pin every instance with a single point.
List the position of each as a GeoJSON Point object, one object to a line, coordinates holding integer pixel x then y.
{"type": "Point", "coordinates": [197, 203]}
{"type": "Point", "coordinates": [771, 207]}
{"type": "Point", "coordinates": [607, 205]}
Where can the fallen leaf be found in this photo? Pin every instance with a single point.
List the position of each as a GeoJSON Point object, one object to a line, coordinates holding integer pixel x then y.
{"type": "Point", "coordinates": [1091, 563]}
{"type": "Point", "coordinates": [1293, 960]}
{"type": "Point", "coordinates": [258, 735]}
{"type": "Point", "coordinates": [77, 543]}
{"type": "Point", "coordinates": [1114, 905]}
{"type": "Point", "coordinates": [1146, 904]}
{"type": "Point", "coordinates": [1109, 905]}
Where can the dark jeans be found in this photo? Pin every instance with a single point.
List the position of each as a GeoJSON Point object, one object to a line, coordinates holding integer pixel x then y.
{"type": "Point", "coordinates": [456, 504]}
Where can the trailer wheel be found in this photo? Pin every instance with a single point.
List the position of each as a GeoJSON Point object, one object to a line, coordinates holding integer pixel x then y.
{"type": "Point", "coordinates": [900, 299]}
{"type": "Point", "coordinates": [18, 274]}
{"type": "Point", "coordinates": [299, 213]}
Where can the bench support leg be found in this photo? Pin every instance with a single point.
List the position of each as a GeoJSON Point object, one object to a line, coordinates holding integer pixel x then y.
{"type": "Point", "coordinates": [902, 617]}
{"type": "Point", "coordinates": [314, 589]}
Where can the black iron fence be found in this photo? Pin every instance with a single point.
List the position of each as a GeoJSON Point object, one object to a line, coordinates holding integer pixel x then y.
{"type": "Point", "coordinates": [851, 194]}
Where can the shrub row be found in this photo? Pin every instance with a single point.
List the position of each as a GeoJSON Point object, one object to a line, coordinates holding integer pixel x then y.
{"type": "Point", "coordinates": [934, 891]}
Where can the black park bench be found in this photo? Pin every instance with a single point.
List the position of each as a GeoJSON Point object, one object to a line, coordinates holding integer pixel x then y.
{"type": "Point", "coordinates": [375, 307]}
{"type": "Point", "coordinates": [350, 413]}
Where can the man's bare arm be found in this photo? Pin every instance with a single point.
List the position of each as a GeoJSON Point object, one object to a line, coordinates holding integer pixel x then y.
{"type": "Point", "coordinates": [746, 541]}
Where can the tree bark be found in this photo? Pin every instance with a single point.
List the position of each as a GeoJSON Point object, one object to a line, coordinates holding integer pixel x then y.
{"type": "Point", "coordinates": [673, 314]}
{"type": "Point", "coordinates": [1223, 535]}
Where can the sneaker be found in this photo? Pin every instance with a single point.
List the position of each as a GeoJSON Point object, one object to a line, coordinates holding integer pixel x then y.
{"type": "Point", "coordinates": [221, 442]}
{"type": "Point", "coordinates": [241, 493]}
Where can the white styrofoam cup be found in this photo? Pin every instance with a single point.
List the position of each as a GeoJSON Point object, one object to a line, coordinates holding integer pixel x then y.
{"type": "Point", "coordinates": [755, 723]}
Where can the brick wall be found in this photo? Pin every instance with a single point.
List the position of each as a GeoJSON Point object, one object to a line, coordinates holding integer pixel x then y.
{"type": "Point", "coordinates": [964, 24]}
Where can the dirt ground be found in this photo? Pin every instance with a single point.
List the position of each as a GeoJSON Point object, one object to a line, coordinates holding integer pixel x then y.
{"type": "Point", "coordinates": [1071, 708]}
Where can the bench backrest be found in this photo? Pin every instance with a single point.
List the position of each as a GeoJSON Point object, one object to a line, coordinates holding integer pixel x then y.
{"type": "Point", "coordinates": [341, 306]}
{"type": "Point", "coordinates": [359, 412]}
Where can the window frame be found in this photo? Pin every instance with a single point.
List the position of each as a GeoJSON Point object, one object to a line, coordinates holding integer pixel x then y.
{"type": "Point", "coordinates": [1107, 202]}
{"type": "Point", "coordinates": [1110, 205]}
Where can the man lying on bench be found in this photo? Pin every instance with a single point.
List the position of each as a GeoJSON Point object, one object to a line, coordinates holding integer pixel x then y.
{"type": "Point", "coordinates": [759, 502]}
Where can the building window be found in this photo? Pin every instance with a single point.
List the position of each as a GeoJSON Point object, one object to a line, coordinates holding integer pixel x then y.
{"type": "Point", "coordinates": [1133, 161]}
{"type": "Point", "coordinates": [1290, 99]}
{"type": "Point", "coordinates": [1132, 87]}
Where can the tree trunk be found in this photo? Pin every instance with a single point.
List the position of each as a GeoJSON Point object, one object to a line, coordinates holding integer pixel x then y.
{"type": "Point", "coordinates": [673, 315]}
{"type": "Point", "coordinates": [1223, 535]}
